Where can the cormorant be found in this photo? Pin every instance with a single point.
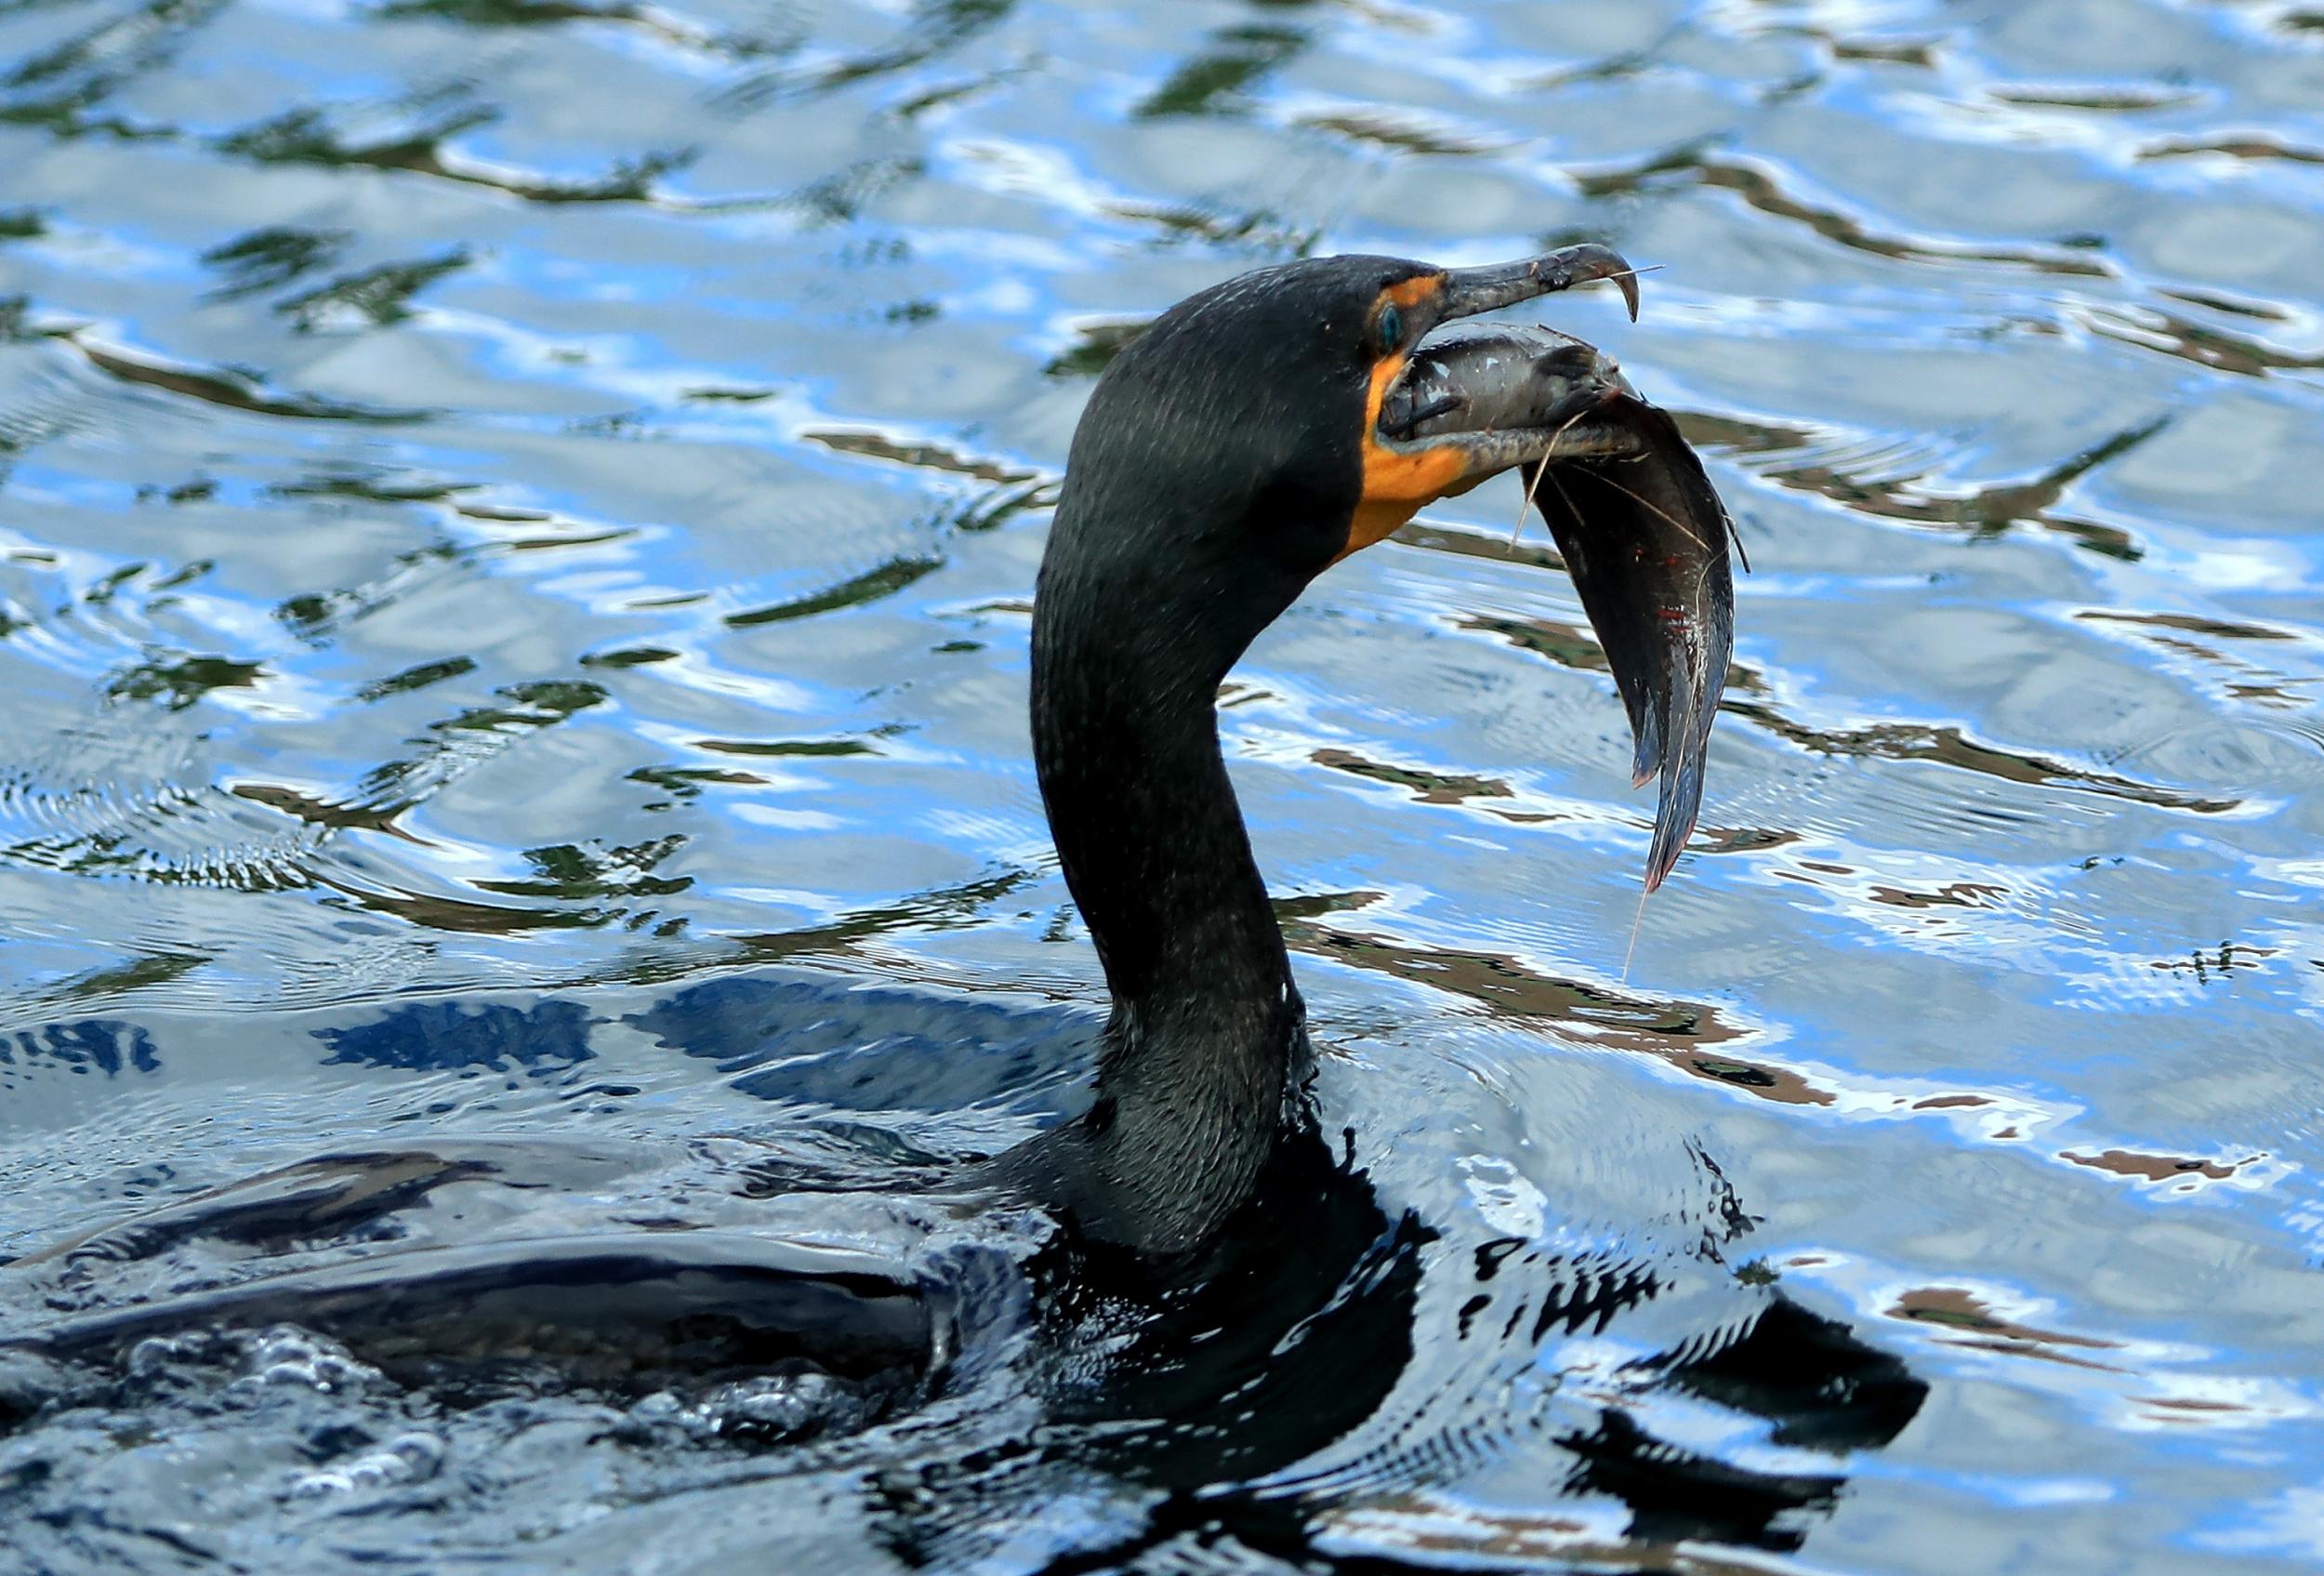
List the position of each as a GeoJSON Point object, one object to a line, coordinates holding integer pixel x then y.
{"type": "Point", "coordinates": [1254, 435]}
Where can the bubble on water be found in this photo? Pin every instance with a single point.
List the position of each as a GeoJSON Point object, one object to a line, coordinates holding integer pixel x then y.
{"type": "Point", "coordinates": [785, 1406]}
{"type": "Point", "coordinates": [408, 1458]}
{"type": "Point", "coordinates": [165, 1357]}
{"type": "Point", "coordinates": [286, 1355]}
{"type": "Point", "coordinates": [659, 1407]}
{"type": "Point", "coordinates": [797, 1403]}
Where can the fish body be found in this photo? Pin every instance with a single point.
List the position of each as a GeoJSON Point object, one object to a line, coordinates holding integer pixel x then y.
{"type": "Point", "coordinates": [1643, 532]}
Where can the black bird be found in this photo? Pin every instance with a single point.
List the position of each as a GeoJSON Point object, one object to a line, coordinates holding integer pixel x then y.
{"type": "Point", "coordinates": [1254, 435]}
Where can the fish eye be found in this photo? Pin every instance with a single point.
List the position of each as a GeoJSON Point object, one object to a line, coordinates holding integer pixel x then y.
{"type": "Point", "coordinates": [1390, 327]}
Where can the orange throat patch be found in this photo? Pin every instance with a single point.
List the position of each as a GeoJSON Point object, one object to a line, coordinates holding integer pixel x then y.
{"type": "Point", "coordinates": [1396, 484]}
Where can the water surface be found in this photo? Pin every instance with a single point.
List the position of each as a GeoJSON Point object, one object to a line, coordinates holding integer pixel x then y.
{"type": "Point", "coordinates": [516, 525]}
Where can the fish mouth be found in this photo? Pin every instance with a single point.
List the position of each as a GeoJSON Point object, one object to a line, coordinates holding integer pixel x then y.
{"type": "Point", "coordinates": [1497, 396]}
{"type": "Point", "coordinates": [1473, 400]}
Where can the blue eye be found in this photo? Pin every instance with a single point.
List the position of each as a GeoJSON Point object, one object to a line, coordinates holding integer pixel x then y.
{"type": "Point", "coordinates": [1390, 327]}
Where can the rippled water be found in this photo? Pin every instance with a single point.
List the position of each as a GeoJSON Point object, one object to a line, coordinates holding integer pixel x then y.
{"type": "Point", "coordinates": [515, 519]}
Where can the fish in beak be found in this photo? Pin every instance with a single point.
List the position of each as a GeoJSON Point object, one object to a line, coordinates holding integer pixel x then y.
{"type": "Point", "coordinates": [1643, 532]}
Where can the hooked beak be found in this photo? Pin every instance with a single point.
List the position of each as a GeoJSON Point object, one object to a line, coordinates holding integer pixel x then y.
{"type": "Point", "coordinates": [1469, 291]}
{"type": "Point", "coordinates": [1472, 402]}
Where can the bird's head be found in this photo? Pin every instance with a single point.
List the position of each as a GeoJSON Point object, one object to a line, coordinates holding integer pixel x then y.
{"type": "Point", "coordinates": [1268, 427]}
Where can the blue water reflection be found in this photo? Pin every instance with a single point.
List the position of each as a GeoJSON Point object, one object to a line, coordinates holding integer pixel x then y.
{"type": "Point", "coordinates": [517, 524]}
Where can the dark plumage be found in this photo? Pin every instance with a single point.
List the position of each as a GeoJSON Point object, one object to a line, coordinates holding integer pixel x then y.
{"type": "Point", "coordinates": [1255, 434]}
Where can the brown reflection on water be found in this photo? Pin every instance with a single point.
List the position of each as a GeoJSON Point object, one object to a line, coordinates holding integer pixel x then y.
{"type": "Point", "coordinates": [304, 136]}
{"type": "Point", "coordinates": [2273, 688]}
{"type": "Point", "coordinates": [1955, 1308]}
{"type": "Point", "coordinates": [1576, 647]}
{"type": "Point", "coordinates": [2184, 1170]}
{"type": "Point", "coordinates": [1984, 511]}
{"type": "Point", "coordinates": [2156, 329]}
{"type": "Point", "coordinates": [1680, 1033]}
{"type": "Point", "coordinates": [2244, 145]}
{"type": "Point", "coordinates": [234, 391]}
{"type": "Point", "coordinates": [301, 805]}
{"type": "Point", "coordinates": [1948, 745]}
{"type": "Point", "coordinates": [1428, 787]}
{"type": "Point", "coordinates": [924, 455]}
{"type": "Point", "coordinates": [2189, 622]}
{"type": "Point", "coordinates": [1760, 190]}
{"type": "Point", "coordinates": [1953, 895]}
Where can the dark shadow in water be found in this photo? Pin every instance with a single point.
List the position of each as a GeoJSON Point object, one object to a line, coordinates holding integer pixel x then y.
{"type": "Point", "coordinates": [934, 29]}
{"type": "Point", "coordinates": [1180, 1383]}
{"type": "Point", "coordinates": [441, 1036]}
{"type": "Point", "coordinates": [307, 136]}
{"type": "Point", "coordinates": [98, 1045]}
{"type": "Point", "coordinates": [1220, 79]}
{"type": "Point", "coordinates": [1289, 1336]}
{"type": "Point", "coordinates": [816, 1043]}
{"type": "Point", "coordinates": [1990, 510]}
{"type": "Point", "coordinates": [1760, 184]}
{"type": "Point", "coordinates": [1810, 1377]}
{"type": "Point", "coordinates": [1184, 1396]}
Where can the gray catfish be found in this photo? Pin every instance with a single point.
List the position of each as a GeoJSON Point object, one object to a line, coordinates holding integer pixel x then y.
{"type": "Point", "coordinates": [1643, 532]}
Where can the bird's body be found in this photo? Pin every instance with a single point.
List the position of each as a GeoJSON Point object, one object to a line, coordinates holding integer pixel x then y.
{"type": "Point", "coordinates": [1182, 1287]}
{"type": "Point", "coordinates": [1256, 434]}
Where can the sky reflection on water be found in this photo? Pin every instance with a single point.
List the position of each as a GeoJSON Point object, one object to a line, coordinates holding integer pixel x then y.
{"type": "Point", "coordinates": [533, 504]}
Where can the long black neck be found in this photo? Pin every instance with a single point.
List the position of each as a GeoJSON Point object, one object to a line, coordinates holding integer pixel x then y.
{"type": "Point", "coordinates": [1213, 475]}
{"type": "Point", "coordinates": [1147, 828]}
{"type": "Point", "coordinates": [1196, 1074]}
